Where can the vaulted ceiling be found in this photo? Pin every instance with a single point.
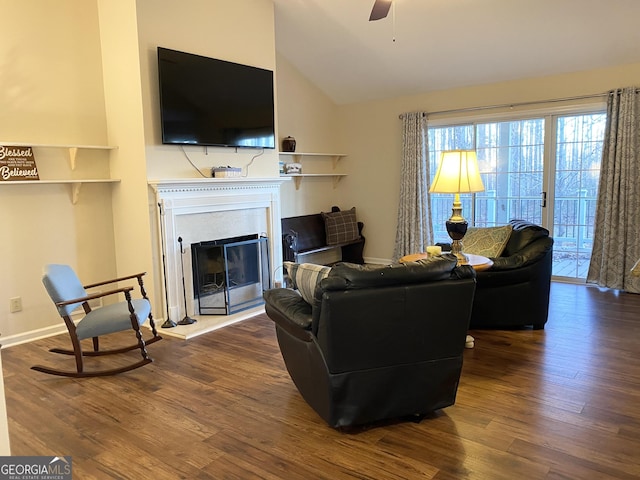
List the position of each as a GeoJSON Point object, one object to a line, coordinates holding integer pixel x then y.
{"type": "Point", "coordinates": [427, 45]}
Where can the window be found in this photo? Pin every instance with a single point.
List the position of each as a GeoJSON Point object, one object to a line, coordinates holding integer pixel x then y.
{"type": "Point", "coordinates": [543, 169]}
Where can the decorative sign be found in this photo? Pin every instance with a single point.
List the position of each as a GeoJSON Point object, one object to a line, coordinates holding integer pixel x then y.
{"type": "Point", "coordinates": [17, 163]}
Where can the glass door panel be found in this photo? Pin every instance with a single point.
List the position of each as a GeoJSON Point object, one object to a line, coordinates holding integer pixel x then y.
{"type": "Point", "coordinates": [511, 161]}
{"type": "Point", "coordinates": [578, 152]}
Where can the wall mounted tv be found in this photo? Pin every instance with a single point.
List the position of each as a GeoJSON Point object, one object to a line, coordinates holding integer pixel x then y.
{"type": "Point", "coordinates": [211, 102]}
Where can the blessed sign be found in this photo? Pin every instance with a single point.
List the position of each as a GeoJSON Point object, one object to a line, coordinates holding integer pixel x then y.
{"type": "Point", "coordinates": [17, 163]}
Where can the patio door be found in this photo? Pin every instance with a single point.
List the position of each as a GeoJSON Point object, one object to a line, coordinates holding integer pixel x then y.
{"type": "Point", "coordinates": [542, 169]}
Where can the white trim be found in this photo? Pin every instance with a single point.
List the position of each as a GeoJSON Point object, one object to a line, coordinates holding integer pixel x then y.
{"type": "Point", "coordinates": [597, 105]}
{"type": "Point", "coordinates": [33, 335]}
{"type": "Point", "coordinates": [378, 261]}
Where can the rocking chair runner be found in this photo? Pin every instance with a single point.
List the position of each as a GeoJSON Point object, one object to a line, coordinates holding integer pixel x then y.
{"type": "Point", "coordinates": [68, 293]}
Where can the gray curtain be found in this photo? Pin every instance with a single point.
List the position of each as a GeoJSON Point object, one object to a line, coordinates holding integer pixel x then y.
{"type": "Point", "coordinates": [616, 246]}
{"type": "Point", "coordinates": [414, 210]}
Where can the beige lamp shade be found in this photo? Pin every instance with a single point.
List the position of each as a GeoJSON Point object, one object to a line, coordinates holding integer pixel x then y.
{"type": "Point", "coordinates": [457, 173]}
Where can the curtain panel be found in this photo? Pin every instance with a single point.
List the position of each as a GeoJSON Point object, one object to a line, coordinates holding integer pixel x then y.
{"type": "Point", "coordinates": [616, 246]}
{"type": "Point", "coordinates": [414, 231]}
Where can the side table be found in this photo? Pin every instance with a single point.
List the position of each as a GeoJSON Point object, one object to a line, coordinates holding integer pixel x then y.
{"type": "Point", "coordinates": [478, 262]}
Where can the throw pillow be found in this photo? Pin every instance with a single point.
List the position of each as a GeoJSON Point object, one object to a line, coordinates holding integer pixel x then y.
{"type": "Point", "coordinates": [487, 241]}
{"type": "Point", "coordinates": [341, 227]}
{"type": "Point", "coordinates": [305, 278]}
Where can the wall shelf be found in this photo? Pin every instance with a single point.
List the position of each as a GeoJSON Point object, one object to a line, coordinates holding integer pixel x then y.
{"type": "Point", "coordinates": [297, 177]}
{"type": "Point", "coordinates": [298, 157]}
{"type": "Point", "coordinates": [72, 149]}
{"type": "Point", "coordinates": [76, 185]}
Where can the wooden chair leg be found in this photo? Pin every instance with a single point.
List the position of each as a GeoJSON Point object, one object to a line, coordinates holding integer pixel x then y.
{"type": "Point", "coordinates": [77, 349]}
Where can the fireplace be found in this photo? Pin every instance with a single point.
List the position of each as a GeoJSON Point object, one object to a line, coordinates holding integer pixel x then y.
{"type": "Point", "coordinates": [199, 210]}
{"type": "Point", "coordinates": [229, 274]}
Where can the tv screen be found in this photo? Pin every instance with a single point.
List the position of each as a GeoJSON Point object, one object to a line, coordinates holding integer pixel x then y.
{"type": "Point", "coordinates": [206, 101]}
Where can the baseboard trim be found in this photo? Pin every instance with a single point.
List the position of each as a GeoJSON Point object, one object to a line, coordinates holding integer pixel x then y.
{"type": "Point", "coordinates": [32, 335]}
{"type": "Point", "coordinates": [378, 261]}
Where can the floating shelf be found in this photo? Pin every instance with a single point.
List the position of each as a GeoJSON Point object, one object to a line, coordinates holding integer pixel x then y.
{"type": "Point", "coordinates": [76, 185]}
{"type": "Point", "coordinates": [298, 156]}
{"type": "Point", "coordinates": [73, 149]}
{"type": "Point", "coordinates": [297, 177]}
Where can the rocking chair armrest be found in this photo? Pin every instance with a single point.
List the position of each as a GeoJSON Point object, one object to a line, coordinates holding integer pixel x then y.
{"type": "Point", "coordinates": [93, 296]}
{"type": "Point", "coordinates": [115, 280]}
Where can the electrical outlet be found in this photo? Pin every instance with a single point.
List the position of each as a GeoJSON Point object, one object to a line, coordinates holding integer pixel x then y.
{"type": "Point", "coordinates": [15, 304]}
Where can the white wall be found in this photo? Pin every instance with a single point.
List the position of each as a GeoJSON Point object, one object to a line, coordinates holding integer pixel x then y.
{"type": "Point", "coordinates": [241, 31]}
{"type": "Point", "coordinates": [373, 132]}
{"type": "Point", "coordinates": [51, 92]}
{"type": "Point", "coordinates": [308, 115]}
{"type": "Point", "coordinates": [84, 73]}
{"type": "Point", "coordinates": [123, 100]}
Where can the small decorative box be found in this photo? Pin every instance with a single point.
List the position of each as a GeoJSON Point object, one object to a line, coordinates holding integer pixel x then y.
{"type": "Point", "coordinates": [225, 172]}
{"type": "Point", "coordinates": [292, 168]}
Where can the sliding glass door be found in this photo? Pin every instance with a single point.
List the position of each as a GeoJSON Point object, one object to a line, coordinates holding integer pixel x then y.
{"type": "Point", "coordinates": [578, 152]}
{"type": "Point", "coordinates": [541, 169]}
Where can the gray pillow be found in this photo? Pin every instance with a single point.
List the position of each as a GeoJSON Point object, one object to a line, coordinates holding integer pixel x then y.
{"type": "Point", "coordinates": [341, 227]}
{"type": "Point", "coordinates": [305, 277]}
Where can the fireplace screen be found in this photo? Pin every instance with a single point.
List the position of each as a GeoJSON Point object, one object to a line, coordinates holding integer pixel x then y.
{"type": "Point", "coordinates": [230, 275]}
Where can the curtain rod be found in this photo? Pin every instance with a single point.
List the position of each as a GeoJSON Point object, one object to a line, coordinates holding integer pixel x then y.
{"type": "Point", "coordinates": [511, 105]}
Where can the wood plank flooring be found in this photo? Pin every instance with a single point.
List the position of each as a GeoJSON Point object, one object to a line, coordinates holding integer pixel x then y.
{"type": "Point", "coordinates": [561, 403]}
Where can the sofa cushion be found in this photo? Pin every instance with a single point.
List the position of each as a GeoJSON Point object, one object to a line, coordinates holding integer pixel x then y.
{"type": "Point", "coordinates": [487, 241]}
{"type": "Point", "coordinates": [341, 226]}
{"type": "Point", "coordinates": [306, 277]}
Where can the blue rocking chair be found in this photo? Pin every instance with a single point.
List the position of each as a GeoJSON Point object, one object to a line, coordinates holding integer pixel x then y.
{"type": "Point", "coordinates": [68, 293]}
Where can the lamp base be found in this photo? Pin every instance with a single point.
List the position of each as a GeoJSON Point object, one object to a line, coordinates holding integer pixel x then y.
{"type": "Point", "coordinates": [457, 230]}
{"type": "Point", "coordinates": [456, 249]}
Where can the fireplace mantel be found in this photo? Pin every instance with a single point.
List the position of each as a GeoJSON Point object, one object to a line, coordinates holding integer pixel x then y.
{"type": "Point", "coordinates": [218, 183]}
{"type": "Point", "coordinates": [197, 208]}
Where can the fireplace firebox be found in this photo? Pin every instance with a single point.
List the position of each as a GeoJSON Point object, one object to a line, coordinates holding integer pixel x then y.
{"type": "Point", "coordinates": [230, 274]}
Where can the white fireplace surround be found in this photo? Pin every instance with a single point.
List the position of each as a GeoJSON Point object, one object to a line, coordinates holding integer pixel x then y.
{"type": "Point", "coordinates": [208, 209]}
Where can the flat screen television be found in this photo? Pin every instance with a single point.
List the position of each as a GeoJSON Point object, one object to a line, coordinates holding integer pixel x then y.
{"type": "Point", "coordinates": [212, 102]}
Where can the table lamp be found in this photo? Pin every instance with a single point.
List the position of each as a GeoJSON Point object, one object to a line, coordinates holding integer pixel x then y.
{"type": "Point", "coordinates": [457, 173]}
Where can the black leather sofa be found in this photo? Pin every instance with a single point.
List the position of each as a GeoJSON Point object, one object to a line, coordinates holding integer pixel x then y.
{"type": "Point", "coordinates": [514, 292]}
{"type": "Point", "coordinates": [377, 342]}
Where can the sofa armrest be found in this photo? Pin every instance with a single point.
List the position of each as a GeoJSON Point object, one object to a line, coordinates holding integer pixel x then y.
{"type": "Point", "coordinates": [289, 311]}
{"type": "Point", "coordinates": [528, 255]}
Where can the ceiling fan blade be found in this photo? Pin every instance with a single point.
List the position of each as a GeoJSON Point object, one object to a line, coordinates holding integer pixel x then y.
{"type": "Point", "coordinates": [380, 9]}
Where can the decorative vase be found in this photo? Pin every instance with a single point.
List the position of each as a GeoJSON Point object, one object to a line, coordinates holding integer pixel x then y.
{"type": "Point", "coordinates": [289, 144]}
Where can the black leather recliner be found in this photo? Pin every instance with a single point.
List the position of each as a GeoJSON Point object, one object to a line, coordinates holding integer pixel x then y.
{"type": "Point", "coordinates": [379, 342]}
{"type": "Point", "coordinates": [515, 291]}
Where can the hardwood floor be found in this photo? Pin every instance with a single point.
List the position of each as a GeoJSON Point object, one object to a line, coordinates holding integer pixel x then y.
{"type": "Point", "coordinates": [561, 403]}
